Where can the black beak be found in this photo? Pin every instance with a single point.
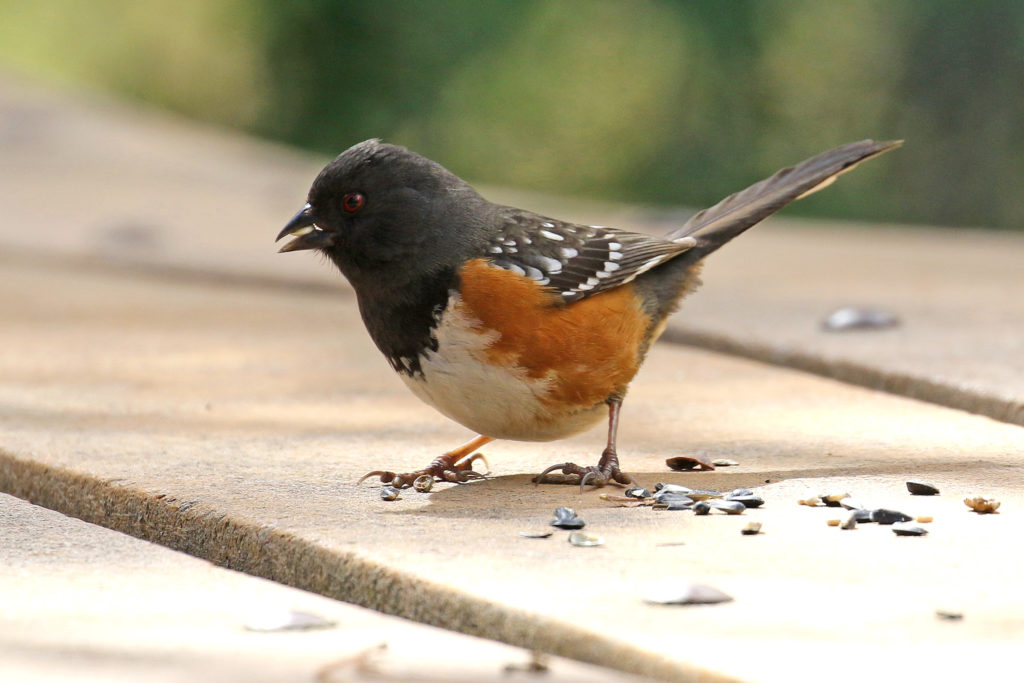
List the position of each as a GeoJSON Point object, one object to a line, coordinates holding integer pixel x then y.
{"type": "Point", "coordinates": [307, 234]}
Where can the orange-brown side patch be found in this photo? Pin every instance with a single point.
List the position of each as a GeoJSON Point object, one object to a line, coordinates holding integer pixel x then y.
{"type": "Point", "coordinates": [591, 345]}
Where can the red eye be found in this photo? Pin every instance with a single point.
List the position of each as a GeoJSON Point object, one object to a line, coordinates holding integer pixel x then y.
{"type": "Point", "coordinates": [353, 201]}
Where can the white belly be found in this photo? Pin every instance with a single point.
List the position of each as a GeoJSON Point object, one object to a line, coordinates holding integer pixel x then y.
{"type": "Point", "coordinates": [499, 401]}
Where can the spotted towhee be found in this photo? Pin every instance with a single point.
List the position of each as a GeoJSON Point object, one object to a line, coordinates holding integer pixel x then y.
{"type": "Point", "coordinates": [516, 325]}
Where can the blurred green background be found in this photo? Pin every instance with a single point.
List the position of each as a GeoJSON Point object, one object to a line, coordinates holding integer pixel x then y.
{"type": "Point", "coordinates": [652, 102]}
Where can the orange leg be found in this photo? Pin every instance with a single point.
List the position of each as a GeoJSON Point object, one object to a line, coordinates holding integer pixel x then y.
{"type": "Point", "coordinates": [456, 466]}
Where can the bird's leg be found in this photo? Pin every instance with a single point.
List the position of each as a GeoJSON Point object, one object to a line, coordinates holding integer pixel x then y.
{"type": "Point", "coordinates": [607, 470]}
{"type": "Point", "coordinates": [456, 466]}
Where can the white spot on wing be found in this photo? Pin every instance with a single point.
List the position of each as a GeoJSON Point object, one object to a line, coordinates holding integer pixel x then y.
{"type": "Point", "coordinates": [515, 269]}
{"type": "Point", "coordinates": [611, 266]}
{"type": "Point", "coordinates": [547, 225]}
{"type": "Point", "coordinates": [567, 252]}
{"type": "Point", "coordinates": [552, 235]}
{"type": "Point", "coordinates": [495, 250]}
{"type": "Point", "coordinates": [553, 266]}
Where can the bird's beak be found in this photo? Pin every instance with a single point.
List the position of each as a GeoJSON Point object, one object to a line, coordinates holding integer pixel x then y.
{"type": "Point", "coordinates": [307, 235]}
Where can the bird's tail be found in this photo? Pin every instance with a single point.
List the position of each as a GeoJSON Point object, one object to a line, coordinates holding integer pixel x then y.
{"type": "Point", "coordinates": [713, 227]}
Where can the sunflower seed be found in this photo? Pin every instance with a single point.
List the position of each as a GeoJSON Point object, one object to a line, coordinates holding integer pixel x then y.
{"type": "Point", "coordinates": [884, 516]}
{"type": "Point", "coordinates": [584, 540]}
{"type": "Point", "coordinates": [536, 534]}
{"type": "Point", "coordinates": [922, 488]}
{"type": "Point", "coordinates": [565, 518]}
{"type": "Point", "coordinates": [853, 318]}
{"type": "Point", "coordinates": [685, 594]}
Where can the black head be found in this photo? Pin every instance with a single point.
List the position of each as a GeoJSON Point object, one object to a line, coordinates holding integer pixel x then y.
{"type": "Point", "coordinates": [380, 212]}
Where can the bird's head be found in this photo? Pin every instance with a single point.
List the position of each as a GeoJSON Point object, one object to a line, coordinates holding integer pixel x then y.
{"type": "Point", "coordinates": [379, 210]}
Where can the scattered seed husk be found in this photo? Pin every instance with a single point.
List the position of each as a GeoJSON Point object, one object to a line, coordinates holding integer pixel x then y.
{"type": "Point", "coordinates": [636, 492]}
{"type": "Point", "coordinates": [923, 519]}
{"type": "Point", "coordinates": [850, 522]}
{"type": "Point", "coordinates": [729, 507]}
{"type": "Point", "coordinates": [750, 501]}
{"type": "Point", "coordinates": [287, 620]}
{"type": "Point", "coordinates": [683, 463]}
{"type": "Point", "coordinates": [832, 500]}
{"type": "Point", "coordinates": [674, 504]}
{"type": "Point", "coordinates": [850, 504]}
{"type": "Point", "coordinates": [676, 499]}
{"type": "Point", "coordinates": [922, 488]}
{"type": "Point", "coordinates": [834, 522]}
{"type": "Point", "coordinates": [885, 516]}
{"type": "Point", "coordinates": [751, 529]}
{"type": "Point", "coordinates": [904, 529]}
{"type": "Point", "coordinates": [948, 615]}
{"type": "Point", "coordinates": [565, 518]}
{"type": "Point", "coordinates": [685, 594]}
{"type": "Point", "coordinates": [739, 492]}
{"type": "Point", "coordinates": [701, 507]}
{"type": "Point", "coordinates": [536, 534]}
{"type": "Point", "coordinates": [982, 505]}
{"type": "Point", "coordinates": [389, 493]}
{"type": "Point", "coordinates": [667, 493]}
{"type": "Point", "coordinates": [724, 462]}
{"type": "Point", "coordinates": [861, 515]}
{"type": "Point", "coordinates": [854, 318]}
{"type": "Point", "coordinates": [813, 501]}
{"type": "Point", "coordinates": [705, 495]}
{"type": "Point", "coordinates": [625, 501]}
{"type": "Point", "coordinates": [423, 483]}
{"type": "Point", "coordinates": [676, 488]}
{"type": "Point", "coordinates": [582, 539]}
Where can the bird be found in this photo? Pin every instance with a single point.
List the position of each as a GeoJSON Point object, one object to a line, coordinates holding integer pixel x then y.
{"type": "Point", "coordinates": [511, 323]}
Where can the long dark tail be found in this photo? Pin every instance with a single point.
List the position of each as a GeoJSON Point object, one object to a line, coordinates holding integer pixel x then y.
{"type": "Point", "coordinates": [713, 227]}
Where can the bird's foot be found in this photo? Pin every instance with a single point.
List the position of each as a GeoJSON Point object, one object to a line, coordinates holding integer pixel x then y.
{"type": "Point", "coordinates": [443, 468]}
{"type": "Point", "coordinates": [605, 472]}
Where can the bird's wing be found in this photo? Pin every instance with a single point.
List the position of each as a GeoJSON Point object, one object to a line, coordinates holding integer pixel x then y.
{"type": "Point", "coordinates": [576, 261]}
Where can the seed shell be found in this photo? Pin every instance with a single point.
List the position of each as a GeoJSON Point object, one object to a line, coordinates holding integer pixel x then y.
{"type": "Point", "coordinates": [884, 516]}
{"type": "Point", "coordinates": [729, 507]}
{"type": "Point", "coordinates": [686, 594]}
{"type": "Point", "coordinates": [683, 463]}
{"type": "Point", "coordinates": [922, 488]}
{"type": "Point", "coordinates": [581, 539]}
{"type": "Point", "coordinates": [565, 518]}
{"type": "Point", "coordinates": [982, 505]}
{"type": "Point", "coordinates": [536, 534]}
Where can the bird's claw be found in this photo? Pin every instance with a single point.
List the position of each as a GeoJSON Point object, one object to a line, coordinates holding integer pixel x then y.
{"type": "Point", "coordinates": [595, 475]}
{"type": "Point", "coordinates": [440, 470]}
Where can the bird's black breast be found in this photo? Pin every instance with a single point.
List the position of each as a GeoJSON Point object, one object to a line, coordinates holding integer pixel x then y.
{"type": "Point", "coordinates": [401, 321]}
